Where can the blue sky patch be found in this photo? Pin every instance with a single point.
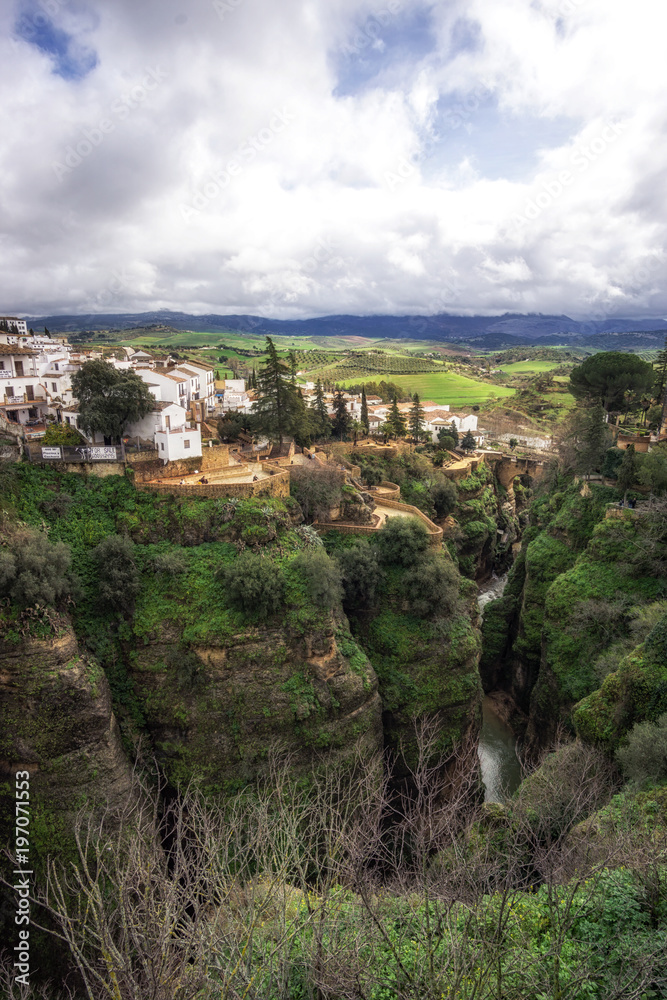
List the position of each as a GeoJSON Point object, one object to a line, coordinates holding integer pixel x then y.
{"type": "Point", "coordinates": [71, 59]}
{"type": "Point", "coordinates": [378, 45]}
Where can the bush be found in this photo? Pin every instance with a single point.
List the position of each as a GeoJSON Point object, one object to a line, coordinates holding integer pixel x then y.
{"type": "Point", "coordinates": [444, 496]}
{"type": "Point", "coordinates": [402, 541]}
{"type": "Point", "coordinates": [645, 754]}
{"type": "Point", "coordinates": [656, 642]}
{"type": "Point", "coordinates": [322, 577]}
{"type": "Point", "coordinates": [316, 490]}
{"type": "Point", "coordinates": [360, 574]}
{"type": "Point", "coordinates": [117, 572]}
{"type": "Point", "coordinates": [35, 571]}
{"type": "Point", "coordinates": [171, 563]}
{"type": "Point", "coordinates": [253, 584]}
{"type": "Point", "coordinates": [432, 587]}
{"type": "Point", "coordinates": [61, 434]}
{"type": "Point", "coordinates": [447, 442]}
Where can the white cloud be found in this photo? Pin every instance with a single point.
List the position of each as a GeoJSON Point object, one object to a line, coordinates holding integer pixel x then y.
{"type": "Point", "coordinates": [206, 163]}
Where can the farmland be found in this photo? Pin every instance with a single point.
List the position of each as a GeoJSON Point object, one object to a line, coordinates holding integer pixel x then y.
{"type": "Point", "coordinates": [531, 366]}
{"type": "Point", "coordinates": [449, 387]}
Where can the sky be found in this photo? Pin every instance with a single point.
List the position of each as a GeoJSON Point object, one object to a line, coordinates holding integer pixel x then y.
{"type": "Point", "coordinates": [316, 157]}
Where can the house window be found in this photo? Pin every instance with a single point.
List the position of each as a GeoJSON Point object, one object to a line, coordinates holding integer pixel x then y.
{"type": "Point", "coordinates": [57, 368]}
{"type": "Point", "coordinates": [54, 387]}
{"type": "Point", "coordinates": [10, 390]}
{"type": "Point", "coordinates": [161, 445]}
{"type": "Point", "coordinates": [19, 367]}
{"type": "Point", "coordinates": [186, 444]}
{"type": "Point", "coordinates": [67, 420]}
{"type": "Point", "coordinates": [30, 392]}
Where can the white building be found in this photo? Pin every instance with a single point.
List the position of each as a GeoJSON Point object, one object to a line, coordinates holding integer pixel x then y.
{"type": "Point", "coordinates": [22, 396]}
{"type": "Point", "coordinates": [174, 436]}
{"type": "Point", "coordinates": [14, 325]}
{"type": "Point", "coordinates": [436, 420]}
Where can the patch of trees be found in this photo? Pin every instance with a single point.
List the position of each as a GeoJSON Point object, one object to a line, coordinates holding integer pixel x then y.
{"type": "Point", "coordinates": [110, 399]}
{"type": "Point", "coordinates": [616, 380]}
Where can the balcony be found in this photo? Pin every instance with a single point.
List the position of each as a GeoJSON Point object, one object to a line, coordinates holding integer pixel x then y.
{"type": "Point", "coordinates": [23, 399]}
{"type": "Point", "coordinates": [159, 429]}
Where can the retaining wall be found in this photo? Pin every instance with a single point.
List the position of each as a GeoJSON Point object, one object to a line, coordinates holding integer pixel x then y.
{"type": "Point", "coordinates": [212, 459]}
{"type": "Point", "coordinates": [276, 485]}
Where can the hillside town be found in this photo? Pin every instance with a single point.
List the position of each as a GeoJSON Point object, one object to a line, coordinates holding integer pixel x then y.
{"type": "Point", "coordinates": [36, 372]}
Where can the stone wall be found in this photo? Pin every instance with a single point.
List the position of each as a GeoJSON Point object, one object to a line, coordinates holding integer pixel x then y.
{"type": "Point", "coordinates": [277, 485]}
{"type": "Point", "coordinates": [393, 492]}
{"type": "Point", "coordinates": [212, 459]}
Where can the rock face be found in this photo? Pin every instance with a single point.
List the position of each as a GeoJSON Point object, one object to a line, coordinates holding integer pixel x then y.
{"type": "Point", "coordinates": [427, 668]}
{"type": "Point", "coordinates": [263, 687]}
{"type": "Point", "coordinates": [568, 601]}
{"type": "Point", "coordinates": [56, 722]}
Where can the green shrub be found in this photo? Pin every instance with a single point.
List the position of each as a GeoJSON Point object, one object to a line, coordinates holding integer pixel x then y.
{"type": "Point", "coordinates": [361, 575]}
{"type": "Point", "coordinates": [432, 587]}
{"type": "Point", "coordinates": [656, 643]}
{"type": "Point", "coordinates": [315, 489]}
{"type": "Point", "coordinates": [401, 541]}
{"type": "Point", "coordinates": [322, 577]}
{"type": "Point", "coordinates": [171, 563]}
{"type": "Point", "coordinates": [117, 572]}
{"type": "Point", "coordinates": [645, 754]}
{"type": "Point", "coordinates": [444, 496]}
{"type": "Point", "coordinates": [35, 571]}
{"type": "Point", "coordinates": [61, 434]}
{"type": "Point", "coordinates": [253, 584]}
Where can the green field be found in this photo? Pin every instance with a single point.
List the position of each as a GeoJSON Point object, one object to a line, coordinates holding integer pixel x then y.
{"type": "Point", "coordinates": [457, 390]}
{"type": "Point", "coordinates": [519, 367]}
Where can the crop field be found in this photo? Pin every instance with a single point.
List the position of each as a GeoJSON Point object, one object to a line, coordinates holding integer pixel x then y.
{"type": "Point", "coordinates": [448, 387]}
{"type": "Point", "coordinates": [519, 367]}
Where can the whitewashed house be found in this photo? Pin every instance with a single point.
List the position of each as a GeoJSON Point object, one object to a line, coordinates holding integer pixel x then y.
{"type": "Point", "coordinates": [22, 396]}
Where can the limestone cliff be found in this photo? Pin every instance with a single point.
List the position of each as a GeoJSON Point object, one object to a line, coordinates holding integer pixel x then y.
{"type": "Point", "coordinates": [57, 722]}
{"type": "Point", "coordinates": [264, 686]}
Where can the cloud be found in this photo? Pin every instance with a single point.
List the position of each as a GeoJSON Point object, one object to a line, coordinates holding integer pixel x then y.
{"type": "Point", "coordinates": [314, 157]}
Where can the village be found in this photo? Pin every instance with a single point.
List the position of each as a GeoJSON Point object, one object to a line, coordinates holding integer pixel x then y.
{"type": "Point", "coordinates": [175, 447]}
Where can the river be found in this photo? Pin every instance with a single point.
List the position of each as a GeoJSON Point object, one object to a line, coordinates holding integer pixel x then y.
{"type": "Point", "coordinates": [500, 765]}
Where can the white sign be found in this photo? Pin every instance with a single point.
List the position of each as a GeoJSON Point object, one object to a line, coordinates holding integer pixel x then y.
{"type": "Point", "coordinates": [51, 453]}
{"type": "Point", "coordinates": [101, 454]}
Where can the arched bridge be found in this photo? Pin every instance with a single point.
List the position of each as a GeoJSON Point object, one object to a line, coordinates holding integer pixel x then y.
{"type": "Point", "coordinates": [508, 467]}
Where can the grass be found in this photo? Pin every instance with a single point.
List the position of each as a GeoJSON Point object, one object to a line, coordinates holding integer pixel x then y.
{"type": "Point", "coordinates": [448, 387]}
{"type": "Point", "coordinates": [518, 367]}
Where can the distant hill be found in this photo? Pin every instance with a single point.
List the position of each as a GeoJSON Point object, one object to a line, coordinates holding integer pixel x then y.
{"type": "Point", "coordinates": [486, 332]}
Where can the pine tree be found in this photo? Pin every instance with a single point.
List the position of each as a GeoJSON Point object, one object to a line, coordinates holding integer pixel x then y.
{"type": "Point", "coordinates": [292, 367]}
{"type": "Point", "coordinates": [627, 470]}
{"type": "Point", "coordinates": [364, 411]}
{"type": "Point", "coordinates": [416, 419]}
{"type": "Point", "coordinates": [341, 419]}
{"type": "Point", "coordinates": [396, 420]}
{"type": "Point", "coordinates": [468, 443]}
{"type": "Point", "coordinates": [453, 431]}
{"type": "Point", "coordinates": [660, 384]}
{"type": "Point", "coordinates": [277, 404]}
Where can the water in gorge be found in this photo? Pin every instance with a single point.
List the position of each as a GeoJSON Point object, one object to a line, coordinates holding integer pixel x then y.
{"type": "Point", "coordinates": [500, 765]}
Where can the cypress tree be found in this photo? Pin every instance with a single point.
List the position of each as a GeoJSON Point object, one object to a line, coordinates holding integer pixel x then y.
{"type": "Point", "coordinates": [364, 411]}
{"type": "Point", "coordinates": [341, 420]}
{"type": "Point", "coordinates": [320, 412]}
{"type": "Point", "coordinates": [416, 419]}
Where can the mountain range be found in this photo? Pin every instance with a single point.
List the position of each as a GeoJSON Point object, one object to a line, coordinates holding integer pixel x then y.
{"type": "Point", "coordinates": [490, 332]}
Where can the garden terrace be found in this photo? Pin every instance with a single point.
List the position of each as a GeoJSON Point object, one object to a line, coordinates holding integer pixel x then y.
{"type": "Point", "coordinates": [383, 510]}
